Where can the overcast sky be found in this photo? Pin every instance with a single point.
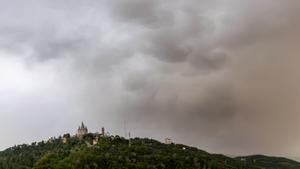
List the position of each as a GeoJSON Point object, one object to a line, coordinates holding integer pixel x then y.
{"type": "Point", "coordinates": [222, 75]}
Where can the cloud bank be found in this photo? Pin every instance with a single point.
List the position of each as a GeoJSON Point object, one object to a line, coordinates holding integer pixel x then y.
{"type": "Point", "coordinates": [220, 75]}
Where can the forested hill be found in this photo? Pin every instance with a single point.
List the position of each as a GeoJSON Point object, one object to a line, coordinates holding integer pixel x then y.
{"type": "Point", "coordinates": [270, 162]}
{"type": "Point", "coordinates": [114, 152]}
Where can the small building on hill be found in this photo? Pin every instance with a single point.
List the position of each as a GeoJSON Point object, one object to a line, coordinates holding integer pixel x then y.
{"type": "Point", "coordinates": [168, 141]}
{"type": "Point", "coordinates": [96, 140]}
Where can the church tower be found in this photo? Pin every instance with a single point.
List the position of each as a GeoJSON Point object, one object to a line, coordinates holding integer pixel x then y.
{"type": "Point", "coordinates": [82, 130]}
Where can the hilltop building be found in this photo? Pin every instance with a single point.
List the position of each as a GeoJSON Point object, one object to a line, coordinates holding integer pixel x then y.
{"type": "Point", "coordinates": [51, 140]}
{"type": "Point", "coordinates": [96, 140]}
{"type": "Point", "coordinates": [64, 140]}
{"type": "Point", "coordinates": [102, 131]}
{"type": "Point", "coordinates": [168, 141]}
{"type": "Point", "coordinates": [82, 130]}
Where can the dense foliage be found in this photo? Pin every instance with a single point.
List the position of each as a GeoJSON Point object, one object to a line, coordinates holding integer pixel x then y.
{"type": "Point", "coordinates": [270, 162]}
{"type": "Point", "coordinates": [114, 153]}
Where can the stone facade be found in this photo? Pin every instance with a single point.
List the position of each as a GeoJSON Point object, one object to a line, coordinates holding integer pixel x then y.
{"type": "Point", "coordinates": [82, 130]}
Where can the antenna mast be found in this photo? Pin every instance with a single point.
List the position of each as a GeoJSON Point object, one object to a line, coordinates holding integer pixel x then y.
{"type": "Point", "coordinates": [125, 129]}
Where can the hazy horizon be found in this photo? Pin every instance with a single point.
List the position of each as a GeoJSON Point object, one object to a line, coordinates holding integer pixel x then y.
{"type": "Point", "coordinates": [222, 75]}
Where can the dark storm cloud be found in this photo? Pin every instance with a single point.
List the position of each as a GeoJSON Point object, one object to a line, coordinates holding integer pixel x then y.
{"type": "Point", "coordinates": [142, 12]}
{"type": "Point", "coordinates": [217, 74]}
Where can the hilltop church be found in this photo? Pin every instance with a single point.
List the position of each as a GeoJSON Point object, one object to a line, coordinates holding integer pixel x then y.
{"type": "Point", "coordinates": [82, 130]}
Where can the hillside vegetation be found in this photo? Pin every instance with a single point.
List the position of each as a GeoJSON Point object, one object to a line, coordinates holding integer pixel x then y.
{"type": "Point", "coordinates": [115, 152]}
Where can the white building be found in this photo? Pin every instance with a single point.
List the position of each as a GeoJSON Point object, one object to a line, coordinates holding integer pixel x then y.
{"type": "Point", "coordinates": [168, 141]}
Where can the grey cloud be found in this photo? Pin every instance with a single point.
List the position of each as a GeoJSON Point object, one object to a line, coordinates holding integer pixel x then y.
{"type": "Point", "coordinates": [150, 14]}
{"type": "Point", "coordinates": [209, 61]}
{"type": "Point", "coordinates": [220, 75]}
